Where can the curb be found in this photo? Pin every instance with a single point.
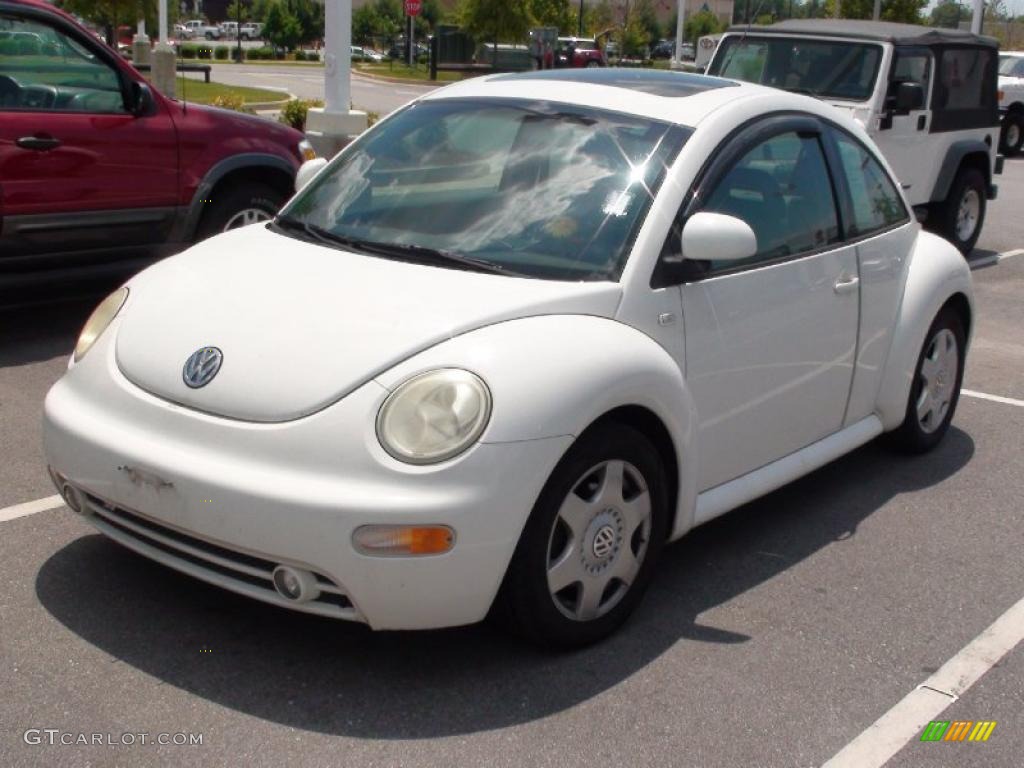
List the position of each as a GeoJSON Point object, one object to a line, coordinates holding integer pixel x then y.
{"type": "Point", "coordinates": [268, 105]}
{"type": "Point", "coordinates": [401, 80]}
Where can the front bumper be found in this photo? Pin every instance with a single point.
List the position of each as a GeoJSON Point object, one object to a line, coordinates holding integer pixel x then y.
{"type": "Point", "coordinates": [226, 501]}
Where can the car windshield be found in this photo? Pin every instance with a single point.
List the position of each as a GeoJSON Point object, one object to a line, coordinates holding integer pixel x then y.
{"type": "Point", "coordinates": [1007, 64]}
{"type": "Point", "coordinates": [831, 69]}
{"type": "Point", "coordinates": [520, 187]}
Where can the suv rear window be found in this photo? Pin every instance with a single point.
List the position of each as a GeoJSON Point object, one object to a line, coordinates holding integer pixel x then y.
{"type": "Point", "coordinates": [836, 70]}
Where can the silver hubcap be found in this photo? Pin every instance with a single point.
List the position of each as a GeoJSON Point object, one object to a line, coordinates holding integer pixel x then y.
{"type": "Point", "coordinates": [245, 217]}
{"type": "Point", "coordinates": [968, 213]}
{"type": "Point", "coordinates": [599, 540]}
{"type": "Point", "coordinates": [938, 379]}
{"type": "Point", "coordinates": [1012, 135]}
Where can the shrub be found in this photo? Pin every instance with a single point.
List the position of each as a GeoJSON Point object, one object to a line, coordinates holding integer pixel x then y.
{"type": "Point", "coordinates": [294, 112]}
{"type": "Point", "coordinates": [235, 51]}
{"type": "Point", "coordinates": [221, 53]}
{"type": "Point", "coordinates": [312, 56]}
{"type": "Point", "coordinates": [189, 50]}
{"type": "Point", "coordinates": [259, 53]}
{"type": "Point", "coordinates": [204, 52]}
{"type": "Point", "coordinates": [229, 101]}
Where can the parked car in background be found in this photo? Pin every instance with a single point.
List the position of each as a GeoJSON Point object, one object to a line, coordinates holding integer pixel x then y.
{"type": "Point", "coordinates": [229, 29]}
{"type": "Point", "coordinates": [928, 97]}
{"type": "Point", "coordinates": [251, 31]}
{"type": "Point", "coordinates": [101, 174]}
{"type": "Point", "coordinates": [663, 49]}
{"type": "Point", "coordinates": [366, 54]}
{"type": "Point", "coordinates": [200, 29]}
{"type": "Point", "coordinates": [180, 32]}
{"type": "Point", "coordinates": [452, 379]}
{"type": "Point", "coordinates": [579, 52]}
{"type": "Point", "coordinates": [1011, 101]}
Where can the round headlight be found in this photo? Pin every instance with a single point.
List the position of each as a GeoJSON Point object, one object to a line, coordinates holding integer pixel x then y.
{"type": "Point", "coordinates": [434, 416]}
{"type": "Point", "coordinates": [99, 320]}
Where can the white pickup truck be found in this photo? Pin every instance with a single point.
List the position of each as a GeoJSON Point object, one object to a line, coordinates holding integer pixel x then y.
{"type": "Point", "coordinates": [200, 29]}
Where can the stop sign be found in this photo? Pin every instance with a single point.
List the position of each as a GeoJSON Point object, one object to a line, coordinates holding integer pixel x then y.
{"type": "Point", "coordinates": [413, 7]}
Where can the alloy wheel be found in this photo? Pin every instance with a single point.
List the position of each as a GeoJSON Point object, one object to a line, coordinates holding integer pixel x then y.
{"type": "Point", "coordinates": [246, 217]}
{"type": "Point", "coordinates": [938, 380]}
{"type": "Point", "coordinates": [968, 214]}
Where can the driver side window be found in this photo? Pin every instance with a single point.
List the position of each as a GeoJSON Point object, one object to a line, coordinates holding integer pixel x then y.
{"type": "Point", "coordinates": [781, 188]}
{"type": "Point", "coordinates": [46, 70]}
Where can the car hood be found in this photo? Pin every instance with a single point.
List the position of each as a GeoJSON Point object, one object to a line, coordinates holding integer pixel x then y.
{"type": "Point", "coordinates": [301, 325]}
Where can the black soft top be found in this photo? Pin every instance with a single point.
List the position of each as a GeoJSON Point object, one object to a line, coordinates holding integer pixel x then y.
{"type": "Point", "coordinates": [886, 31]}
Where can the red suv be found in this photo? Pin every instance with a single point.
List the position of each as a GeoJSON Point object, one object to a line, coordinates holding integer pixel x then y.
{"type": "Point", "coordinates": [579, 52]}
{"type": "Point", "coordinates": [100, 174]}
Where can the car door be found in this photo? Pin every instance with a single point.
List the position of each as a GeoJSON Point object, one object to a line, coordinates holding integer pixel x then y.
{"type": "Point", "coordinates": [770, 341]}
{"type": "Point", "coordinates": [877, 220]}
{"type": "Point", "coordinates": [78, 171]}
{"type": "Point", "coordinates": [903, 134]}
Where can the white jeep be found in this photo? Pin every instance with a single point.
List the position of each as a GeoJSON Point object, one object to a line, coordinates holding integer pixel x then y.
{"type": "Point", "coordinates": [939, 133]}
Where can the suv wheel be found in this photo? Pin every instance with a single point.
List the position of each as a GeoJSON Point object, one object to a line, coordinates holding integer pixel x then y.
{"type": "Point", "coordinates": [1012, 135]}
{"type": "Point", "coordinates": [962, 213]}
{"type": "Point", "coordinates": [589, 548]}
{"type": "Point", "coordinates": [240, 206]}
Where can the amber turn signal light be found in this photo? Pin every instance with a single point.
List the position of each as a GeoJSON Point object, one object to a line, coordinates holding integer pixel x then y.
{"type": "Point", "coordinates": [398, 540]}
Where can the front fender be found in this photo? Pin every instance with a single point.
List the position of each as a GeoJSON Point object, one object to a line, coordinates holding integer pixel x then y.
{"type": "Point", "coordinates": [555, 375]}
{"type": "Point", "coordinates": [937, 272]}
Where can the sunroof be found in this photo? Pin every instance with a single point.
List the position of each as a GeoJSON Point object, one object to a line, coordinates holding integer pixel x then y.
{"type": "Point", "coordinates": [655, 82]}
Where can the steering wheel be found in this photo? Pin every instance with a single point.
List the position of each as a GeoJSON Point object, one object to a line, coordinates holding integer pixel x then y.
{"type": "Point", "coordinates": [10, 91]}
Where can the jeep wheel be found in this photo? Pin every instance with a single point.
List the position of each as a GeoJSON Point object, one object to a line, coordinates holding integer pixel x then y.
{"type": "Point", "coordinates": [1012, 135]}
{"type": "Point", "coordinates": [962, 213]}
{"type": "Point", "coordinates": [239, 206]}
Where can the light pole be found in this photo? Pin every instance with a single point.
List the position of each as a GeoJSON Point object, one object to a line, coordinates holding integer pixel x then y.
{"type": "Point", "coordinates": [330, 128]}
{"type": "Point", "coordinates": [579, 31]}
{"type": "Point", "coordinates": [238, 27]}
{"type": "Point", "coordinates": [677, 54]}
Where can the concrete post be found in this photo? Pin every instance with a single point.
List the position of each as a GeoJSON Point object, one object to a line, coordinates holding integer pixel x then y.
{"type": "Point", "coordinates": [979, 12]}
{"type": "Point", "coordinates": [140, 44]}
{"type": "Point", "coordinates": [331, 128]}
{"type": "Point", "coordinates": [164, 72]}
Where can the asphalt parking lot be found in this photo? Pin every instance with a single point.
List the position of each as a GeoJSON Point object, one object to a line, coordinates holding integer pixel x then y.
{"type": "Point", "coordinates": [773, 636]}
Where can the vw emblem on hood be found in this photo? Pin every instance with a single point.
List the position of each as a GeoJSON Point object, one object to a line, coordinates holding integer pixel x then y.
{"type": "Point", "coordinates": [201, 366]}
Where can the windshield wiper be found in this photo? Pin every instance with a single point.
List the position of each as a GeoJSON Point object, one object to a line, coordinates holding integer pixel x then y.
{"type": "Point", "coordinates": [404, 251]}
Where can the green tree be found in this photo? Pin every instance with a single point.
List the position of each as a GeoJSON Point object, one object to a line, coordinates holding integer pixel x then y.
{"type": "Point", "coordinates": [110, 14]}
{"type": "Point", "coordinates": [553, 13]}
{"type": "Point", "coordinates": [496, 20]}
{"type": "Point", "coordinates": [280, 27]}
{"type": "Point", "coordinates": [232, 11]}
{"type": "Point", "coordinates": [907, 11]}
{"type": "Point", "coordinates": [700, 24]}
{"type": "Point", "coordinates": [366, 25]}
{"type": "Point", "coordinates": [949, 14]}
{"type": "Point", "coordinates": [310, 16]}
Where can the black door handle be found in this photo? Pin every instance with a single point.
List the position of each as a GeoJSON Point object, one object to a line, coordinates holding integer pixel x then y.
{"type": "Point", "coordinates": [39, 143]}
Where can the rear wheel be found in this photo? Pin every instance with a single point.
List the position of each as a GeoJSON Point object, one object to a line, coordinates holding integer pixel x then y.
{"type": "Point", "coordinates": [962, 213]}
{"type": "Point", "coordinates": [935, 390]}
{"type": "Point", "coordinates": [1012, 136]}
{"type": "Point", "coordinates": [589, 549]}
{"type": "Point", "coordinates": [239, 206]}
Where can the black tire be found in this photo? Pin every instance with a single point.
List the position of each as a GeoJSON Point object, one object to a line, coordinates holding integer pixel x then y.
{"type": "Point", "coordinates": [969, 180]}
{"type": "Point", "coordinates": [1011, 137]}
{"type": "Point", "coordinates": [222, 209]}
{"type": "Point", "coordinates": [525, 603]}
{"type": "Point", "coordinates": [913, 436]}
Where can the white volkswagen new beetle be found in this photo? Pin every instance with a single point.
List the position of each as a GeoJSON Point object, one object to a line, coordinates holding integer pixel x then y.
{"type": "Point", "coordinates": [506, 345]}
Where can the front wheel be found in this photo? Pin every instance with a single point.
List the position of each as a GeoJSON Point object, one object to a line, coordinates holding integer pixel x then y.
{"type": "Point", "coordinates": [589, 548]}
{"type": "Point", "coordinates": [962, 213]}
{"type": "Point", "coordinates": [239, 206]}
{"type": "Point", "coordinates": [935, 390]}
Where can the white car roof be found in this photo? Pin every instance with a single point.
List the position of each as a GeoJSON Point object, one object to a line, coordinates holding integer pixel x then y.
{"type": "Point", "coordinates": [677, 97]}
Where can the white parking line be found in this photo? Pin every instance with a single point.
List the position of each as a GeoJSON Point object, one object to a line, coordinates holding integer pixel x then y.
{"type": "Point", "coordinates": [993, 398]}
{"type": "Point", "coordinates": [995, 258]}
{"type": "Point", "coordinates": [30, 508]}
{"type": "Point", "coordinates": [905, 721]}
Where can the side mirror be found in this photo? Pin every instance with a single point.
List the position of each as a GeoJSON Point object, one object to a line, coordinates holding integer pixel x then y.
{"type": "Point", "coordinates": [141, 100]}
{"type": "Point", "coordinates": [909, 96]}
{"type": "Point", "coordinates": [717, 237]}
{"type": "Point", "coordinates": [308, 170]}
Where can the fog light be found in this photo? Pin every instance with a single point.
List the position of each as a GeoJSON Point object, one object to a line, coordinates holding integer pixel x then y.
{"type": "Point", "coordinates": [296, 585]}
{"type": "Point", "coordinates": [403, 539]}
